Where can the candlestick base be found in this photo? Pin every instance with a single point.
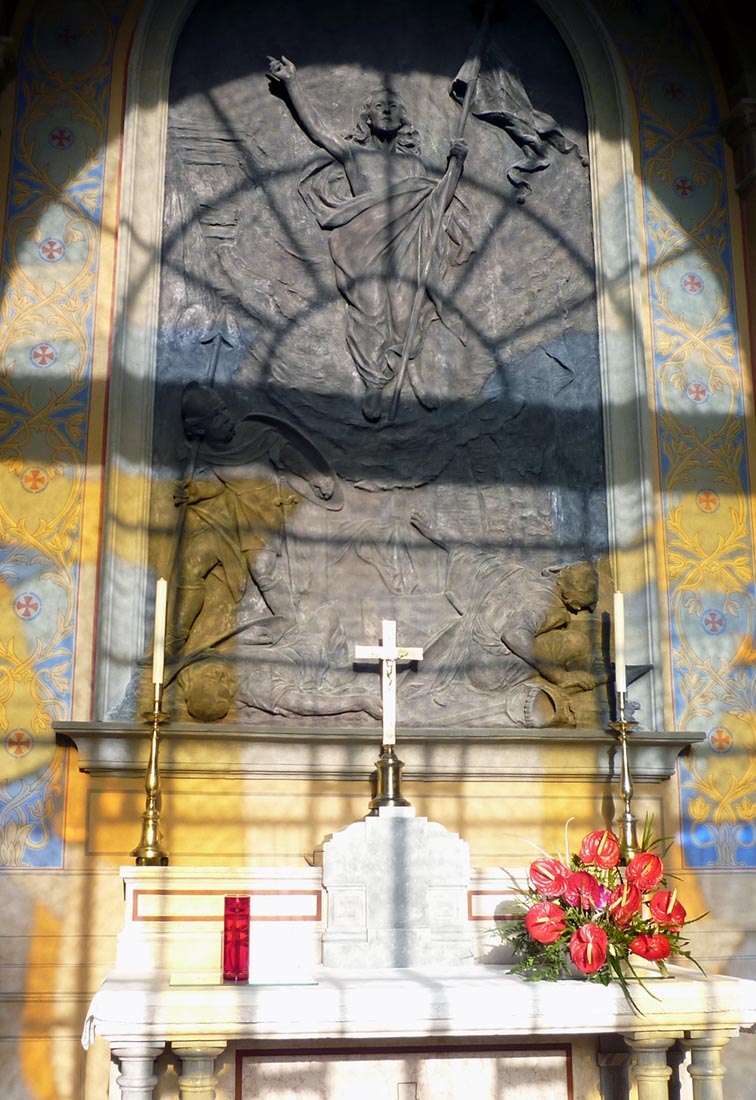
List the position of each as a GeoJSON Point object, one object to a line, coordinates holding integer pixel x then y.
{"type": "Point", "coordinates": [149, 852]}
{"type": "Point", "coordinates": [389, 784]}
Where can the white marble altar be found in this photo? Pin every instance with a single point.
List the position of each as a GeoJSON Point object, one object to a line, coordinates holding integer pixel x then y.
{"type": "Point", "coordinates": [166, 992]}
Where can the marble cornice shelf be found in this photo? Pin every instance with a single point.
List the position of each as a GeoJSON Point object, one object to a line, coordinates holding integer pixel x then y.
{"type": "Point", "coordinates": [340, 753]}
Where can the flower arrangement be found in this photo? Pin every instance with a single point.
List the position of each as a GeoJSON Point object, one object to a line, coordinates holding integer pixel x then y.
{"type": "Point", "coordinates": [597, 914]}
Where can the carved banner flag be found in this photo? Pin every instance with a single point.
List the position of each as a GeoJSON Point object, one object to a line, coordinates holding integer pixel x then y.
{"type": "Point", "coordinates": [499, 97]}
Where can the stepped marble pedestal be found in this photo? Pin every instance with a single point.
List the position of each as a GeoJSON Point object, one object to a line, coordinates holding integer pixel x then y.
{"type": "Point", "coordinates": [397, 893]}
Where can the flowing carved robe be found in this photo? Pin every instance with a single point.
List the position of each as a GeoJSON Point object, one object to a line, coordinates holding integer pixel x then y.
{"type": "Point", "coordinates": [379, 244]}
{"type": "Point", "coordinates": [494, 596]}
{"type": "Point", "coordinates": [240, 506]}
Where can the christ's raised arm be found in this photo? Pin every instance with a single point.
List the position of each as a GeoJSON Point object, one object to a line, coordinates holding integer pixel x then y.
{"type": "Point", "coordinates": [284, 72]}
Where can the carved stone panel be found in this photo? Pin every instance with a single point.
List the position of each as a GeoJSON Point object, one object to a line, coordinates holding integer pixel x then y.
{"type": "Point", "coordinates": [378, 386]}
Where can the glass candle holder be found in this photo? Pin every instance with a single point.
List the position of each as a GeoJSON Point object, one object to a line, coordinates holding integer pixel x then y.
{"type": "Point", "coordinates": [236, 938]}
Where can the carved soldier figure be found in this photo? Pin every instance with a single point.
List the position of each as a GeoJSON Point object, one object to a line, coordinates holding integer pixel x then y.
{"type": "Point", "coordinates": [380, 210]}
{"type": "Point", "coordinates": [306, 671]}
{"type": "Point", "coordinates": [514, 639]}
{"type": "Point", "coordinates": [249, 472]}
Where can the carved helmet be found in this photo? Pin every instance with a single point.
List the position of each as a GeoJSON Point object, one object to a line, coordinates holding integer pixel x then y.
{"type": "Point", "coordinates": [198, 402]}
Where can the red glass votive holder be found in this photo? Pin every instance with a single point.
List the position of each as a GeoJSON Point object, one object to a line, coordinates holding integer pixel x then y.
{"type": "Point", "coordinates": [236, 938]}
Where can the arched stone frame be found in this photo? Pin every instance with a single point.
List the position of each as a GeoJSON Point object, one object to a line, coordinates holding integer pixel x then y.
{"type": "Point", "coordinates": [126, 583]}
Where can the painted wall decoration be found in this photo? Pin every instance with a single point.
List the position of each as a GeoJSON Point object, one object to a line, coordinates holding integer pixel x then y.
{"type": "Point", "coordinates": [703, 411]}
{"type": "Point", "coordinates": [50, 268]}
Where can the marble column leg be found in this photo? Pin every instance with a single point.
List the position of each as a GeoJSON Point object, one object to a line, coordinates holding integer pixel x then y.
{"type": "Point", "coordinates": [197, 1079]}
{"type": "Point", "coordinates": [650, 1067]}
{"type": "Point", "coordinates": [137, 1078]}
{"type": "Point", "coordinates": [706, 1069]}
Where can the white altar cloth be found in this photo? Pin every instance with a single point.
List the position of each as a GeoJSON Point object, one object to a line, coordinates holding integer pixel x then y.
{"type": "Point", "coordinates": [140, 1015]}
{"type": "Point", "coordinates": [475, 1000]}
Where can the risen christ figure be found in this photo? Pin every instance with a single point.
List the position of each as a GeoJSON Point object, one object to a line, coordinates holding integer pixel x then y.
{"type": "Point", "coordinates": [380, 210]}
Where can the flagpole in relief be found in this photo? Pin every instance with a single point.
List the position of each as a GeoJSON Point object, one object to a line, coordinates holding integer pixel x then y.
{"type": "Point", "coordinates": [422, 285]}
{"type": "Point", "coordinates": [217, 338]}
{"type": "Point", "coordinates": [388, 765]}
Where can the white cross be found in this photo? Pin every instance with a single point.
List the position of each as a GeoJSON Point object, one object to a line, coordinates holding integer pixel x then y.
{"type": "Point", "coordinates": [388, 653]}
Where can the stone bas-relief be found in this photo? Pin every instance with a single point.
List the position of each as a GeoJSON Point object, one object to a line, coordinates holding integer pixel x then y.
{"type": "Point", "coordinates": [245, 478]}
{"type": "Point", "coordinates": [517, 643]}
{"type": "Point", "coordinates": [382, 215]}
{"type": "Point", "coordinates": [300, 201]}
{"type": "Point", "coordinates": [248, 476]}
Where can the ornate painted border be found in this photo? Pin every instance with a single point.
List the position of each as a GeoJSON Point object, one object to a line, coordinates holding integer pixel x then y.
{"type": "Point", "coordinates": [703, 411]}
{"type": "Point", "coordinates": [53, 370]}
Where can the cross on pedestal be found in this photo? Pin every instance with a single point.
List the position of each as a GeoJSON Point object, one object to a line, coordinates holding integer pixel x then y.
{"type": "Point", "coordinates": [388, 653]}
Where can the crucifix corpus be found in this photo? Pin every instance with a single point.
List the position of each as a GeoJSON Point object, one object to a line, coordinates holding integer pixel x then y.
{"type": "Point", "coordinates": [388, 765]}
{"type": "Point", "coordinates": [388, 653]}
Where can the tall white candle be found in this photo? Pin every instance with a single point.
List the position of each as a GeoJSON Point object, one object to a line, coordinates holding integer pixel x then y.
{"type": "Point", "coordinates": [620, 667]}
{"type": "Point", "coordinates": [158, 648]}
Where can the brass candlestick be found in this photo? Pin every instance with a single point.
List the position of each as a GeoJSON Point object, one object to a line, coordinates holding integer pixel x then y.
{"type": "Point", "coordinates": [150, 852]}
{"type": "Point", "coordinates": [389, 785]}
{"type": "Point", "coordinates": [628, 830]}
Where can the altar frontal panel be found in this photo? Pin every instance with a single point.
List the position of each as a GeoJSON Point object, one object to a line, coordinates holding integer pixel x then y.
{"type": "Point", "coordinates": [517, 1073]}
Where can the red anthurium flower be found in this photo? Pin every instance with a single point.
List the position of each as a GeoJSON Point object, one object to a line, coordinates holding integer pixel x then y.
{"type": "Point", "coordinates": [588, 946]}
{"type": "Point", "coordinates": [601, 849]}
{"type": "Point", "coordinates": [548, 877]}
{"type": "Point", "coordinates": [582, 889]}
{"type": "Point", "coordinates": [545, 922]}
{"type": "Point", "coordinates": [651, 947]}
{"type": "Point", "coordinates": [667, 910]}
{"type": "Point", "coordinates": [645, 870]}
{"type": "Point", "coordinates": [624, 903]}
